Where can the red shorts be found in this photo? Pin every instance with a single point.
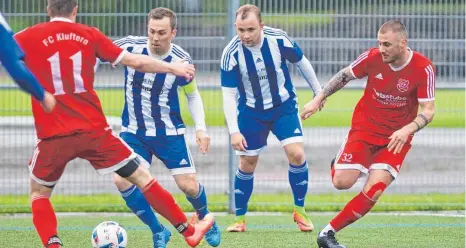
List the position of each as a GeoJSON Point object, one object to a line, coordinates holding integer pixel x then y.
{"type": "Point", "coordinates": [364, 152]}
{"type": "Point", "coordinates": [102, 148]}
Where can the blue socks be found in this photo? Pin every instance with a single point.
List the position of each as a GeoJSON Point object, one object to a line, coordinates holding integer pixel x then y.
{"type": "Point", "coordinates": [199, 202]}
{"type": "Point", "coordinates": [244, 183]}
{"type": "Point", "coordinates": [138, 204]}
{"type": "Point", "coordinates": [298, 177]}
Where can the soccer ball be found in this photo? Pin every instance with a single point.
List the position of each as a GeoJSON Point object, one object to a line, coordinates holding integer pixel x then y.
{"type": "Point", "coordinates": [109, 234]}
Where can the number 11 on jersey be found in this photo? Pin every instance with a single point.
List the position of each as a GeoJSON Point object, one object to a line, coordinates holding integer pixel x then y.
{"type": "Point", "coordinates": [57, 77]}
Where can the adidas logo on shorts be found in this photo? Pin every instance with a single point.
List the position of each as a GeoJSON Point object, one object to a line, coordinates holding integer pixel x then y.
{"type": "Point", "coordinates": [183, 162]}
{"type": "Point", "coordinates": [297, 130]}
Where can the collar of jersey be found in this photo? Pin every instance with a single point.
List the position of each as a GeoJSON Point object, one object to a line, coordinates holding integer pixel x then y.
{"type": "Point", "coordinates": [160, 57]}
{"type": "Point", "coordinates": [61, 19]}
{"type": "Point", "coordinates": [405, 64]}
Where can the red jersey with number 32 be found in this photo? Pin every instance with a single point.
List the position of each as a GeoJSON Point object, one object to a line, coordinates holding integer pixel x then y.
{"type": "Point", "coordinates": [392, 95]}
{"type": "Point", "coordinates": [62, 55]}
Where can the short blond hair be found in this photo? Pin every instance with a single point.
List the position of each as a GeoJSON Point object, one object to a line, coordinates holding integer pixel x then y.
{"type": "Point", "coordinates": [244, 11]}
{"type": "Point", "coordinates": [395, 26]}
{"type": "Point", "coordinates": [160, 13]}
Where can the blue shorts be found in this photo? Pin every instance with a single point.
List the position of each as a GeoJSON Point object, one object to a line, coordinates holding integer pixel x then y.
{"type": "Point", "coordinates": [172, 150]}
{"type": "Point", "coordinates": [283, 121]}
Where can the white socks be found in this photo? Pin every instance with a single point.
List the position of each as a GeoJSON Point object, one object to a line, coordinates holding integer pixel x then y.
{"type": "Point", "coordinates": [325, 230]}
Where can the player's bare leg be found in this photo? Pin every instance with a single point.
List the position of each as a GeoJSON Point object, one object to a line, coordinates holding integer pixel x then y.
{"type": "Point", "coordinates": [43, 215]}
{"type": "Point", "coordinates": [298, 175]}
{"type": "Point", "coordinates": [360, 205]}
{"type": "Point", "coordinates": [195, 193]}
{"type": "Point", "coordinates": [164, 203]}
{"type": "Point", "coordinates": [244, 182]}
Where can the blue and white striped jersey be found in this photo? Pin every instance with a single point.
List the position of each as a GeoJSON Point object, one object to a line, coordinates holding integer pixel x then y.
{"type": "Point", "coordinates": [260, 73]}
{"type": "Point", "coordinates": [151, 99]}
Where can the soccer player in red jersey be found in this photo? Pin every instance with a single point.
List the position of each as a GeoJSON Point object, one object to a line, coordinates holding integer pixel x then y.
{"type": "Point", "coordinates": [385, 119]}
{"type": "Point", "coordinates": [62, 54]}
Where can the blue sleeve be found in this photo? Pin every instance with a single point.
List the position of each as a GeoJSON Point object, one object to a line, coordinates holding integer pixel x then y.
{"type": "Point", "coordinates": [11, 57]}
{"type": "Point", "coordinates": [230, 78]}
{"type": "Point", "coordinates": [293, 54]}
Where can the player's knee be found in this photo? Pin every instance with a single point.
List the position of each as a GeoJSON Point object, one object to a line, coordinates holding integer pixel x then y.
{"type": "Point", "coordinates": [374, 191]}
{"type": "Point", "coordinates": [188, 184]}
{"type": "Point", "coordinates": [248, 164]}
{"type": "Point", "coordinates": [297, 157]}
{"type": "Point", "coordinates": [343, 182]}
{"type": "Point", "coordinates": [39, 190]}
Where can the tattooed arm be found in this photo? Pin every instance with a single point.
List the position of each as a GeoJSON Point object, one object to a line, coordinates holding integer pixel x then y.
{"type": "Point", "coordinates": [335, 84]}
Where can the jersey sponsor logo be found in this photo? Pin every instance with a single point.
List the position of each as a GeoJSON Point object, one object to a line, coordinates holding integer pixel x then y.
{"type": "Point", "coordinates": [379, 76]}
{"type": "Point", "coordinates": [402, 85]}
{"type": "Point", "coordinates": [387, 99]}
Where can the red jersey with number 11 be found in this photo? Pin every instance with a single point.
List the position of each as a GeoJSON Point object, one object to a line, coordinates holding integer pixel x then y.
{"type": "Point", "coordinates": [62, 55]}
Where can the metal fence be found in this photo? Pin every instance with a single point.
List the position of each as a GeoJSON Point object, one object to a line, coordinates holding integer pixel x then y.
{"type": "Point", "coordinates": [331, 33]}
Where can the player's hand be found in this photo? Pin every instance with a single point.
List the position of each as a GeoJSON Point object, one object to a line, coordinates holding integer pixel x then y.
{"type": "Point", "coordinates": [238, 142]}
{"type": "Point", "coordinates": [311, 107]}
{"type": "Point", "coordinates": [203, 141]}
{"type": "Point", "coordinates": [398, 140]}
{"type": "Point", "coordinates": [48, 103]}
{"type": "Point", "coordinates": [182, 69]}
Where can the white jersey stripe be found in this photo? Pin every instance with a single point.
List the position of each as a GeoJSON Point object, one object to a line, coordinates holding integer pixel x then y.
{"type": "Point", "coordinates": [361, 58]}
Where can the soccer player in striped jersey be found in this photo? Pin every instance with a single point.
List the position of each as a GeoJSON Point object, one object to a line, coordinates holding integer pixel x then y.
{"type": "Point", "coordinates": [399, 80]}
{"type": "Point", "coordinates": [254, 65]}
{"type": "Point", "coordinates": [152, 124]}
{"type": "Point", "coordinates": [11, 57]}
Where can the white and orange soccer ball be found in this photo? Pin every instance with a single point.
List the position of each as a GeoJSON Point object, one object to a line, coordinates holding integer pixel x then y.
{"type": "Point", "coordinates": [109, 234]}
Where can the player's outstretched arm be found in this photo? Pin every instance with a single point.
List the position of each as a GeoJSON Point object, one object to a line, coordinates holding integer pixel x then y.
{"type": "Point", "coordinates": [337, 82]}
{"type": "Point", "coordinates": [148, 64]}
{"type": "Point", "coordinates": [400, 137]}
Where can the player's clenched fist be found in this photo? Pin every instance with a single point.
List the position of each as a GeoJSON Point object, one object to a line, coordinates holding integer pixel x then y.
{"type": "Point", "coordinates": [203, 141]}
{"type": "Point", "coordinates": [238, 142]}
{"type": "Point", "coordinates": [48, 103]}
{"type": "Point", "coordinates": [182, 69]}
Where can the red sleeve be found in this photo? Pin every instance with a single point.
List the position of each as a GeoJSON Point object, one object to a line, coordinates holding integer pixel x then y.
{"type": "Point", "coordinates": [426, 86]}
{"type": "Point", "coordinates": [106, 50]}
{"type": "Point", "coordinates": [359, 66]}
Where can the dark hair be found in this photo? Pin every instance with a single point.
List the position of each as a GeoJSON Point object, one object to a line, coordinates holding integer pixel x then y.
{"type": "Point", "coordinates": [61, 8]}
{"type": "Point", "coordinates": [160, 13]}
{"type": "Point", "coordinates": [244, 11]}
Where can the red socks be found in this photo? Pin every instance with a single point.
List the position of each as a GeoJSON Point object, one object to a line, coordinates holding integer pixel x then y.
{"type": "Point", "coordinates": [164, 203]}
{"type": "Point", "coordinates": [355, 209]}
{"type": "Point", "coordinates": [44, 218]}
